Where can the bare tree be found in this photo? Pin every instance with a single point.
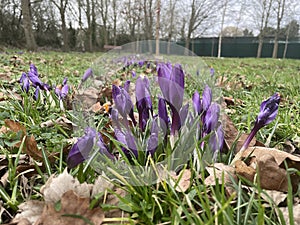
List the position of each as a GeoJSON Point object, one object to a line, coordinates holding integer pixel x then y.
{"type": "Point", "coordinates": [157, 26]}
{"type": "Point", "coordinates": [279, 9]}
{"type": "Point", "coordinates": [104, 9]}
{"type": "Point", "coordinates": [148, 20]}
{"type": "Point", "coordinates": [62, 6]}
{"type": "Point", "coordinates": [30, 40]}
{"type": "Point", "coordinates": [200, 11]}
{"type": "Point", "coordinates": [263, 11]}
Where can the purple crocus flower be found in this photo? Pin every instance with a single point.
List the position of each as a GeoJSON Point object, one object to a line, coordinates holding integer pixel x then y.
{"type": "Point", "coordinates": [62, 92]}
{"type": "Point", "coordinates": [197, 102]}
{"type": "Point", "coordinates": [123, 135]}
{"type": "Point", "coordinates": [24, 81]}
{"type": "Point", "coordinates": [212, 71]}
{"type": "Point", "coordinates": [133, 73]}
{"type": "Point", "coordinates": [171, 82]}
{"type": "Point", "coordinates": [162, 112]}
{"type": "Point", "coordinates": [143, 101]}
{"type": "Point", "coordinates": [206, 97]}
{"type": "Point", "coordinates": [123, 102]}
{"type": "Point", "coordinates": [36, 93]}
{"type": "Point", "coordinates": [216, 141]}
{"type": "Point", "coordinates": [152, 142]}
{"type": "Point", "coordinates": [103, 148]}
{"type": "Point", "coordinates": [268, 112]}
{"type": "Point", "coordinates": [82, 148]}
{"type": "Point", "coordinates": [88, 73]}
{"type": "Point", "coordinates": [211, 118]}
{"type": "Point", "coordinates": [34, 76]}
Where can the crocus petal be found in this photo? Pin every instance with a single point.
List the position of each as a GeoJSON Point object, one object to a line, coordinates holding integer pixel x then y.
{"type": "Point", "coordinates": [35, 79]}
{"type": "Point", "coordinates": [65, 81]}
{"type": "Point", "coordinates": [152, 142]}
{"type": "Point", "coordinates": [162, 112]}
{"type": "Point", "coordinates": [183, 113]}
{"type": "Point", "coordinates": [268, 110]}
{"type": "Point", "coordinates": [24, 81]}
{"type": "Point", "coordinates": [216, 141]}
{"type": "Point", "coordinates": [88, 73]}
{"type": "Point", "coordinates": [212, 71]}
{"type": "Point", "coordinates": [206, 97]}
{"type": "Point", "coordinates": [143, 101]}
{"type": "Point", "coordinates": [127, 85]}
{"type": "Point", "coordinates": [103, 148]}
{"type": "Point", "coordinates": [197, 103]}
{"type": "Point", "coordinates": [36, 93]}
{"type": "Point", "coordinates": [23, 76]}
{"type": "Point", "coordinates": [64, 91]}
{"type": "Point", "coordinates": [33, 70]}
{"type": "Point", "coordinates": [211, 118]}
{"type": "Point", "coordinates": [82, 148]}
{"type": "Point", "coordinates": [123, 102]}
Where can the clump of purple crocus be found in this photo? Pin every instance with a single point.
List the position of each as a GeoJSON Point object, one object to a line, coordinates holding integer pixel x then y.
{"type": "Point", "coordinates": [32, 79]}
{"type": "Point", "coordinates": [151, 127]}
{"type": "Point", "coordinates": [268, 112]}
{"type": "Point", "coordinates": [62, 91]}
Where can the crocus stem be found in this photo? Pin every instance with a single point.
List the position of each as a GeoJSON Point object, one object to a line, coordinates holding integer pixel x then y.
{"type": "Point", "coordinates": [250, 137]}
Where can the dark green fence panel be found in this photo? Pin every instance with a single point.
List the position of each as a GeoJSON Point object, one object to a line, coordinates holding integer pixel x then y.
{"type": "Point", "coordinates": [242, 47]}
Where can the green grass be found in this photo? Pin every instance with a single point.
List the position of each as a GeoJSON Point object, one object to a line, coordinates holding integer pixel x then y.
{"type": "Point", "coordinates": [249, 80]}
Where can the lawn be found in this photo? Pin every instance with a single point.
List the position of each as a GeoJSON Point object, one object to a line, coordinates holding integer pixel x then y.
{"type": "Point", "coordinates": [42, 182]}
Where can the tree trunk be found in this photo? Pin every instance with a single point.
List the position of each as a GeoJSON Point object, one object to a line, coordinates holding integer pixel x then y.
{"type": "Point", "coordinates": [157, 27]}
{"type": "Point", "coordinates": [30, 40]}
{"type": "Point", "coordinates": [275, 48]}
{"type": "Point", "coordinates": [260, 45]}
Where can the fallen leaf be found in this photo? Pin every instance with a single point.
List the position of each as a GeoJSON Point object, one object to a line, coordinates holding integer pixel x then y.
{"type": "Point", "coordinates": [231, 135]}
{"type": "Point", "coordinates": [296, 214]}
{"type": "Point", "coordinates": [30, 211]}
{"type": "Point", "coordinates": [269, 163]}
{"type": "Point", "coordinates": [55, 187]}
{"type": "Point", "coordinates": [182, 180]}
{"type": "Point", "coordinates": [218, 172]}
{"type": "Point", "coordinates": [276, 196]}
{"type": "Point", "coordinates": [31, 149]}
{"type": "Point", "coordinates": [15, 126]}
{"type": "Point", "coordinates": [73, 210]}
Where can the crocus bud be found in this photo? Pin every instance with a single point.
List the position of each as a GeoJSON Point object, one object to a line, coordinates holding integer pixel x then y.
{"type": "Point", "coordinates": [87, 74]}
{"type": "Point", "coordinates": [268, 112]}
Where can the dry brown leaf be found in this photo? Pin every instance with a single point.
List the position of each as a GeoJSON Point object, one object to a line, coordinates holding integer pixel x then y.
{"type": "Point", "coordinates": [218, 171]}
{"type": "Point", "coordinates": [270, 165]}
{"type": "Point", "coordinates": [62, 121]}
{"type": "Point", "coordinates": [112, 199]}
{"type": "Point", "coordinates": [296, 214]}
{"type": "Point", "coordinates": [31, 149]}
{"type": "Point", "coordinates": [55, 187]}
{"type": "Point", "coordinates": [231, 133]}
{"type": "Point", "coordinates": [244, 170]}
{"type": "Point", "coordinates": [100, 185]}
{"type": "Point", "coordinates": [74, 210]}
{"type": "Point", "coordinates": [30, 211]}
{"type": "Point", "coordinates": [276, 196]}
{"type": "Point", "coordinates": [96, 107]}
{"type": "Point", "coordinates": [185, 180]}
{"type": "Point", "coordinates": [88, 97]}
{"type": "Point", "coordinates": [15, 126]}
